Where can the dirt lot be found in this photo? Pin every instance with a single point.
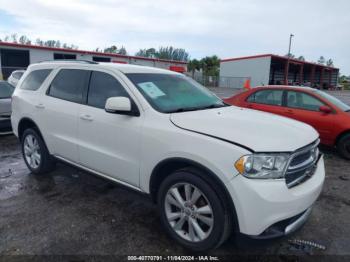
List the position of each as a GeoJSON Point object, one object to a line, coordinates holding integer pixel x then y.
{"type": "Point", "coordinates": [70, 212]}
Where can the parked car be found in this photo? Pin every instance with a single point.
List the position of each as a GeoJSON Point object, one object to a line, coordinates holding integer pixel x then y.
{"type": "Point", "coordinates": [15, 77]}
{"type": "Point", "coordinates": [6, 91]}
{"type": "Point", "coordinates": [327, 114]}
{"type": "Point", "coordinates": [203, 162]}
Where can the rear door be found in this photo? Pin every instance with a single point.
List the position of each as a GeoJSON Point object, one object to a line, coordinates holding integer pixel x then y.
{"type": "Point", "coordinates": [268, 100]}
{"type": "Point", "coordinates": [306, 108]}
{"type": "Point", "coordinates": [59, 111]}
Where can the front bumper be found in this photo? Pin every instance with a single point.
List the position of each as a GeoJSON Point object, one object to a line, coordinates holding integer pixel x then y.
{"type": "Point", "coordinates": [285, 227]}
{"type": "Point", "coordinates": [265, 207]}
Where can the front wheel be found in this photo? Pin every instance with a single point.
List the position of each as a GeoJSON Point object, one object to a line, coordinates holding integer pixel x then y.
{"type": "Point", "coordinates": [35, 153]}
{"type": "Point", "coordinates": [343, 146]}
{"type": "Point", "coordinates": [191, 211]}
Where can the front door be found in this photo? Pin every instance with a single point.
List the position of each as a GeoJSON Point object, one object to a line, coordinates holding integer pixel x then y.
{"type": "Point", "coordinates": [109, 143]}
{"type": "Point", "coordinates": [306, 108]}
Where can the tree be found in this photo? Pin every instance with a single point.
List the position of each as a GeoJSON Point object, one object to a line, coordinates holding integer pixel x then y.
{"type": "Point", "coordinates": [193, 66]}
{"type": "Point", "coordinates": [58, 44]}
{"type": "Point", "coordinates": [329, 62]}
{"type": "Point", "coordinates": [169, 52]}
{"type": "Point", "coordinates": [211, 65]}
{"type": "Point", "coordinates": [14, 38]}
{"type": "Point", "coordinates": [111, 49]}
{"type": "Point", "coordinates": [321, 60]}
{"type": "Point", "coordinates": [301, 58]}
{"type": "Point", "coordinates": [39, 42]}
{"type": "Point", "coordinates": [342, 79]}
{"type": "Point", "coordinates": [24, 40]}
{"type": "Point", "coordinates": [122, 51]}
{"type": "Point", "coordinates": [114, 50]}
{"type": "Point", "coordinates": [150, 52]}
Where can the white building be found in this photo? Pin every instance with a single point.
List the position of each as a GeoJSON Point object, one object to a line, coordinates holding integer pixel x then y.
{"type": "Point", "coordinates": [15, 56]}
{"type": "Point", "coordinates": [269, 69]}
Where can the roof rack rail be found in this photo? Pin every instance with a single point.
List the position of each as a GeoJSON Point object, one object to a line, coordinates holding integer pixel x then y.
{"type": "Point", "coordinates": [69, 61]}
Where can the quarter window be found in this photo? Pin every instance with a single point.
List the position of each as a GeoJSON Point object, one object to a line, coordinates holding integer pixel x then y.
{"type": "Point", "coordinates": [35, 79]}
{"type": "Point", "coordinates": [269, 97]}
{"type": "Point", "coordinates": [70, 84]}
{"type": "Point", "coordinates": [303, 101]}
{"type": "Point", "coordinates": [103, 86]}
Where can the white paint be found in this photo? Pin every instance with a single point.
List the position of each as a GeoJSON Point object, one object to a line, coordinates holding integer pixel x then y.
{"type": "Point", "coordinates": [126, 148]}
{"type": "Point", "coordinates": [258, 69]}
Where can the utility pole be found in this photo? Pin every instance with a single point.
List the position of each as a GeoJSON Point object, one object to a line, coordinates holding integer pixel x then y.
{"type": "Point", "coordinates": [290, 44]}
{"type": "Point", "coordinates": [286, 72]}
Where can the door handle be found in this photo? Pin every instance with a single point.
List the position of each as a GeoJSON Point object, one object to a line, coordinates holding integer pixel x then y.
{"type": "Point", "coordinates": [40, 106]}
{"type": "Point", "coordinates": [289, 112]}
{"type": "Point", "coordinates": [86, 117]}
{"type": "Point", "coordinates": [250, 106]}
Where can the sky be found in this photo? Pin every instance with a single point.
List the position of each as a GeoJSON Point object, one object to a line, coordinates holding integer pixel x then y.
{"type": "Point", "coordinates": [227, 28]}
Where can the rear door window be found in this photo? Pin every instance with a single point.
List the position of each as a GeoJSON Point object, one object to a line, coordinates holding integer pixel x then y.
{"type": "Point", "coordinates": [70, 85]}
{"type": "Point", "coordinates": [35, 79]}
{"type": "Point", "coordinates": [268, 97]}
{"type": "Point", "coordinates": [303, 101]}
{"type": "Point", "coordinates": [103, 86]}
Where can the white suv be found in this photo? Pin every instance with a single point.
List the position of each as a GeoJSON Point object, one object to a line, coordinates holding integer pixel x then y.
{"type": "Point", "coordinates": [212, 169]}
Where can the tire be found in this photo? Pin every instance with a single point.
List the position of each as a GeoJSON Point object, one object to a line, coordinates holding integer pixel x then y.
{"type": "Point", "coordinates": [343, 146]}
{"type": "Point", "coordinates": [193, 213]}
{"type": "Point", "coordinates": [35, 153]}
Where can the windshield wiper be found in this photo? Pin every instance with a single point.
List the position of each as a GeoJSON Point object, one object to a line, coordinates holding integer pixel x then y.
{"type": "Point", "coordinates": [182, 109]}
{"type": "Point", "coordinates": [186, 109]}
{"type": "Point", "coordinates": [214, 106]}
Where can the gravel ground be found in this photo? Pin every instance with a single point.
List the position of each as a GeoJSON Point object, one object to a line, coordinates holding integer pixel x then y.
{"type": "Point", "coordinates": [71, 212]}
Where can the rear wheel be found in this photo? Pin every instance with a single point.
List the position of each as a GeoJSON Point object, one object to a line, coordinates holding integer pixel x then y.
{"type": "Point", "coordinates": [343, 146]}
{"type": "Point", "coordinates": [191, 211]}
{"type": "Point", "coordinates": [35, 153]}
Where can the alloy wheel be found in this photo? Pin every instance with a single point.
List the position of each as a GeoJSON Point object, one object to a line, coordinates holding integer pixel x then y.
{"type": "Point", "coordinates": [189, 212]}
{"type": "Point", "coordinates": [32, 151]}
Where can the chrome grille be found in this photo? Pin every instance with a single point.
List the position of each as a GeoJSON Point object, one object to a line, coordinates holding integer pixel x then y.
{"type": "Point", "coordinates": [302, 164]}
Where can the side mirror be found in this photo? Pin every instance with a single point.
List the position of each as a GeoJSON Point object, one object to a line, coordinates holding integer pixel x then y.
{"type": "Point", "coordinates": [118, 105]}
{"type": "Point", "coordinates": [325, 109]}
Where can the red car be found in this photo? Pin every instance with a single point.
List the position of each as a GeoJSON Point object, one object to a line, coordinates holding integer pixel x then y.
{"type": "Point", "coordinates": [328, 115]}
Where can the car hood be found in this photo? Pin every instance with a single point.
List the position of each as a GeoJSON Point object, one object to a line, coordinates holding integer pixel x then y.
{"type": "Point", "coordinates": [258, 131]}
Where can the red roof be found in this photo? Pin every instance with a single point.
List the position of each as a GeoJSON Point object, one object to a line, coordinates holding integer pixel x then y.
{"type": "Point", "coordinates": [87, 52]}
{"type": "Point", "coordinates": [275, 56]}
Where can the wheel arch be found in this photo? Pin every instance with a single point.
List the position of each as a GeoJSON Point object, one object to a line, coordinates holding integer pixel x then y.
{"type": "Point", "coordinates": [339, 136]}
{"type": "Point", "coordinates": [26, 123]}
{"type": "Point", "coordinates": [167, 166]}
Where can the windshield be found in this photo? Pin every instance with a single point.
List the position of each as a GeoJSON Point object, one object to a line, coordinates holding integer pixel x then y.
{"type": "Point", "coordinates": [6, 90]}
{"type": "Point", "coordinates": [174, 93]}
{"type": "Point", "coordinates": [333, 100]}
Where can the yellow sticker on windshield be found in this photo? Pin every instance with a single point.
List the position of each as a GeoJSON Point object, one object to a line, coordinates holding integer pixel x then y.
{"type": "Point", "coordinates": [151, 89]}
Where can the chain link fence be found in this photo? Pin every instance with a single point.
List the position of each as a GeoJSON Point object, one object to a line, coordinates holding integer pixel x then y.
{"type": "Point", "coordinates": [220, 81]}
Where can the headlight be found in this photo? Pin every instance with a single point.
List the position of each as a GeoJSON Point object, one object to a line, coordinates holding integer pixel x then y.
{"type": "Point", "coordinates": [262, 165]}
